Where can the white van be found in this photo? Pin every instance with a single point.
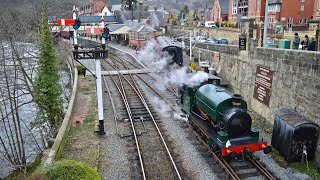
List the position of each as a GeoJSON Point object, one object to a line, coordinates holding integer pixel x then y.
{"type": "Point", "coordinates": [210, 24]}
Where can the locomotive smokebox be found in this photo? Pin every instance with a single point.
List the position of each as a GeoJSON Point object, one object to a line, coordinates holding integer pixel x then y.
{"type": "Point", "coordinates": [236, 100]}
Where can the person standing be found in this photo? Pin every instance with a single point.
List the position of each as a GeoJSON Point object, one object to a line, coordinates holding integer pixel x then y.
{"type": "Point", "coordinates": [305, 42]}
{"type": "Point", "coordinates": [296, 41]}
{"type": "Point", "coordinates": [312, 45]}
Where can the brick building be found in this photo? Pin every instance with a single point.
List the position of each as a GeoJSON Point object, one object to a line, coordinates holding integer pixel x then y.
{"type": "Point", "coordinates": [253, 9]}
{"type": "Point", "coordinates": [220, 10]}
{"type": "Point", "coordinates": [316, 10]}
{"type": "Point", "coordinates": [292, 14]}
{"type": "Point", "coordinates": [92, 7]}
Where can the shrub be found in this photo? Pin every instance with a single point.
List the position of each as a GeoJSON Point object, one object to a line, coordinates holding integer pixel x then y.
{"type": "Point", "coordinates": [81, 69]}
{"type": "Point", "coordinates": [70, 169]}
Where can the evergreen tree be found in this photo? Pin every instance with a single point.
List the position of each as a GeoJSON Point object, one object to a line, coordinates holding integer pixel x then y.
{"type": "Point", "coordinates": [47, 90]}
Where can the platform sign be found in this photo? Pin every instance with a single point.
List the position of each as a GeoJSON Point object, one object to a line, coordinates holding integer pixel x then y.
{"type": "Point", "coordinates": [263, 84]}
{"type": "Point", "coordinates": [242, 43]}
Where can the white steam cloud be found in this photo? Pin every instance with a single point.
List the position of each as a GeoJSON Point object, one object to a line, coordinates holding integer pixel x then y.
{"type": "Point", "coordinates": [155, 21]}
{"type": "Point", "coordinates": [152, 56]}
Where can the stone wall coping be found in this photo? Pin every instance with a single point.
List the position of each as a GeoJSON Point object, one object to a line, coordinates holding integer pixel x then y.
{"type": "Point", "coordinates": [64, 129]}
{"type": "Point", "coordinates": [288, 50]}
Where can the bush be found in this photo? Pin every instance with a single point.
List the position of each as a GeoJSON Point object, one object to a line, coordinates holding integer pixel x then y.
{"type": "Point", "coordinates": [81, 69]}
{"type": "Point", "coordinates": [66, 170]}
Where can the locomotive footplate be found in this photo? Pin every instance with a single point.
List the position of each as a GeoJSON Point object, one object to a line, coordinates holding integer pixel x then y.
{"type": "Point", "coordinates": [237, 145]}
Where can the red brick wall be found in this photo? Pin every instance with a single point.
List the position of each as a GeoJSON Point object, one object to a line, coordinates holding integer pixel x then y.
{"type": "Point", "coordinates": [291, 9]}
{"type": "Point", "coordinates": [256, 9]}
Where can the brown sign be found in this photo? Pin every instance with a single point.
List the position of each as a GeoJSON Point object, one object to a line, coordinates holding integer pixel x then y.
{"type": "Point", "coordinates": [263, 84]}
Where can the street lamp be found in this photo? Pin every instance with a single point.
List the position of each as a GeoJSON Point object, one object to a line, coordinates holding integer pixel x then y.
{"type": "Point", "coordinates": [265, 25]}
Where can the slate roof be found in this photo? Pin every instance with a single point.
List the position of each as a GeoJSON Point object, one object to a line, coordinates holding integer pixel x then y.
{"type": "Point", "coordinates": [95, 19]}
{"type": "Point", "coordinates": [113, 27]}
{"type": "Point", "coordinates": [224, 6]}
{"type": "Point", "coordinates": [142, 28]}
{"type": "Point", "coordinates": [155, 17]}
{"type": "Point", "coordinates": [116, 7]}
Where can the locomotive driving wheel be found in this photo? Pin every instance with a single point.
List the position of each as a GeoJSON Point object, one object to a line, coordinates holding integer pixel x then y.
{"type": "Point", "coordinates": [212, 145]}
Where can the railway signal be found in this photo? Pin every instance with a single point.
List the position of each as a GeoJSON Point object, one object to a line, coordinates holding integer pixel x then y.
{"type": "Point", "coordinates": [77, 24]}
{"type": "Point", "coordinates": [65, 22]}
{"type": "Point", "coordinates": [105, 33]}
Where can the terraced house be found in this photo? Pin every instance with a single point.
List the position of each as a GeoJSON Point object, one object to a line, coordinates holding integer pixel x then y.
{"type": "Point", "coordinates": [92, 7]}
{"type": "Point", "coordinates": [292, 14]}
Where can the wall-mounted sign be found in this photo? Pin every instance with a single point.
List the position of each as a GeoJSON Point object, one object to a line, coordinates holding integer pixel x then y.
{"type": "Point", "coordinates": [242, 43]}
{"type": "Point", "coordinates": [263, 84]}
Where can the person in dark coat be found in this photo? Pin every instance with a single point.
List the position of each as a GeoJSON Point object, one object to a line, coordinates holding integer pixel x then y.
{"type": "Point", "coordinates": [312, 45]}
{"type": "Point", "coordinates": [296, 41]}
{"type": "Point", "coordinates": [305, 42]}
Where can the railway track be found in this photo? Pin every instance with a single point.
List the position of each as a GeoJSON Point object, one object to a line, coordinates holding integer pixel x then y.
{"type": "Point", "coordinates": [147, 160]}
{"type": "Point", "coordinates": [249, 167]}
{"type": "Point", "coordinates": [151, 157]}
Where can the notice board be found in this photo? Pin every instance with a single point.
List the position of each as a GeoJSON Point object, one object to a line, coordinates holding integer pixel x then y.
{"type": "Point", "coordinates": [263, 84]}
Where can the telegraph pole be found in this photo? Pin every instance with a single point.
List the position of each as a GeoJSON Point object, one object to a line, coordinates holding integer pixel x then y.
{"type": "Point", "coordinates": [190, 46]}
{"type": "Point", "coordinates": [265, 25]}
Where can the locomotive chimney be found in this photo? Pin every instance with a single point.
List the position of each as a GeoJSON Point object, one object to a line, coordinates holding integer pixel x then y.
{"type": "Point", "coordinates": [236, 100]}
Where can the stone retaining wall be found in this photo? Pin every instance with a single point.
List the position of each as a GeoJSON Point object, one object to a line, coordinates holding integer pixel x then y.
{"type": "Point", "coordinates": [60, 140]}
{"type": "Point", "coordinates": [296, 77]}
{"type": "Point", "coordinates": [216, 33]}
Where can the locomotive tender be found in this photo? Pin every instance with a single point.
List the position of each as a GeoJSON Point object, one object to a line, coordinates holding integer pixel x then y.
{"type": "Point", "coordinates": [174, 48]}
{"type": "Point", "coordinates": [221, 119]}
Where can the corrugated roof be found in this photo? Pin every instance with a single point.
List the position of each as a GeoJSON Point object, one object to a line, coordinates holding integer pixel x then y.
{"type": "Point", "coordinates": [224, 6]}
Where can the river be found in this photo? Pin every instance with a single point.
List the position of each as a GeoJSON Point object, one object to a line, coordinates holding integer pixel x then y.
{"type": "Point", "coordinates": [34, 142]}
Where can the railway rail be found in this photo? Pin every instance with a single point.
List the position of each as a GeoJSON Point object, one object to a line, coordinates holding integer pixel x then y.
{"type": "Point", "coordinates": [145, 127]}
{"type": "Point", "coordinates": [144, 134]}
{"type": "Point", "coordinates": [237, 170]}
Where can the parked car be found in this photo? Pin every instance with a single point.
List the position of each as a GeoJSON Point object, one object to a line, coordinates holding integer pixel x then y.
{"type": "Point", "coordinates": [201, 39]}
{"type": "Point", "coordinates": [212, 41]}
{"type": "Point", "coordinates": [222, 41]}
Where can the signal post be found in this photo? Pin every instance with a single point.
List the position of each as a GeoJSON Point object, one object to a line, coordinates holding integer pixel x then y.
{"type": "Point", "coordinates": [96, 55]}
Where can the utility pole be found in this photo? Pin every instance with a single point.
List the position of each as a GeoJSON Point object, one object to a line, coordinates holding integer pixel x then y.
{"type": "Point", "coordinates": [132, 11]}
{"type": "Point", "coordinates": [265, 25]}
{"type": "Point", "coordinates": [190, 46]}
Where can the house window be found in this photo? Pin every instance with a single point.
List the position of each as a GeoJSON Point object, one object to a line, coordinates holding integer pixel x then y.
{"type": "Point", "coordinates": [306, 21]}
{"type": "Point", "coordinates": [302, 7]}
{"type": "Point", "coordinates": [270, 22]}
{"type": "Point", "coordinates": [301, 20]}
{"type": "Point", "coordinates": [234, 6]}
{"type": "Point", "coordinates": [290, 21]}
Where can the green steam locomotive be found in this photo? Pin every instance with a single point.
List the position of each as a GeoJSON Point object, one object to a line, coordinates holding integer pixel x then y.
{"type": "Point", "coordinates": [221, 119]}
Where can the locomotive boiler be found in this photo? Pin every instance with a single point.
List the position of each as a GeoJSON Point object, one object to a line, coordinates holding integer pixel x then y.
{"type": "Point", "coordinates": [221, 119]}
